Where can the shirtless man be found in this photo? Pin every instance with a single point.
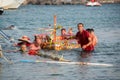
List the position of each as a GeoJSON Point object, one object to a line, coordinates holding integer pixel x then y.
{"type": "Point", "coordinates": [93, 36]}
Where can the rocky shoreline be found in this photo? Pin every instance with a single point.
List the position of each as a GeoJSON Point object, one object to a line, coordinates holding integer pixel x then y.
{"type": "Point", "coordinates": [64, 2]}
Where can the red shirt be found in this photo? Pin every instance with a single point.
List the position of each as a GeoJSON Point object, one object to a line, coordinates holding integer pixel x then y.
{"type": "Point", "coordinates": [32, 52]}
{"type": "Point", "coordinates": [83, 40]}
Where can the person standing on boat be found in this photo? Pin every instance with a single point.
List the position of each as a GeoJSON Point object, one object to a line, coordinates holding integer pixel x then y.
{"type": "Point", "coordinates": [63, 33]}
{"type": "Point", "coordinates": [84, 38]}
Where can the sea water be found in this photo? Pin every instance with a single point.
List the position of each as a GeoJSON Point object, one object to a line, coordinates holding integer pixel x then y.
{"type": "Point", "coordinates": [29, 20]}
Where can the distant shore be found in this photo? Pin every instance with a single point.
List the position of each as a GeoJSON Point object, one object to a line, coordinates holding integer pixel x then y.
{"type": "Point", "coordinates": [65, 2]}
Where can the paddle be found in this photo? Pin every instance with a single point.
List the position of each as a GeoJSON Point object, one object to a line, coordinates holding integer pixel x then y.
{"type": "Point", "coordinates": [2, 56]}
{"type": "Point", "coordinates": [68, 63]}
{"type": "Point", "coordinates": [6, 36]}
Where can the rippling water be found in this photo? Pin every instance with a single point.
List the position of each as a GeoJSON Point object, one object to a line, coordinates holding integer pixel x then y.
{"type": "Point", "coordinates": [28, 19]}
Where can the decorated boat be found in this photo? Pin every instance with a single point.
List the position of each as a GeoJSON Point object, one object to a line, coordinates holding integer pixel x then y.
{"type": "Point", "coordinates": [56, 42]}
{"type": "Point", "coordinates": [61, 45]}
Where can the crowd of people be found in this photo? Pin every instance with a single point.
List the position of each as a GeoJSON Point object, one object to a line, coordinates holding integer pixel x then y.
{"type": "Point", "coordinates": [86, 38]}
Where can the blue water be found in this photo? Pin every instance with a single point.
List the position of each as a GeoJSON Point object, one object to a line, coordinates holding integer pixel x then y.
{"type": "Point", "coordinates": [28, 19]}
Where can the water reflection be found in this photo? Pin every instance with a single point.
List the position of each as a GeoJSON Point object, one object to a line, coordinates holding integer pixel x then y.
{"type": "Point", "coordinates": [84, 54]}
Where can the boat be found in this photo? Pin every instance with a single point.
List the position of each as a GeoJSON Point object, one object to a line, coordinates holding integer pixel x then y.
{"type": "Point", "coordinates": [11, 4]}
{"type": "Point", "coordinates": [56, 43]}
{"type": "Point", "coordinates": [1, 11]}
{"type": "Point", "coordinates": [61, 45]}
{"type": "Point", "coordinates": [93, 3]}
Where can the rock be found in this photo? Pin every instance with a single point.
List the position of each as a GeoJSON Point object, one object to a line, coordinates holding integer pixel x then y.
{"type": "Point", "coordinates": [63, 2]}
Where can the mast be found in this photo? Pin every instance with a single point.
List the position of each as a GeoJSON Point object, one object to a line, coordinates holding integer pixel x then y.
{"type": "Point", "coordinates": [55, 21]}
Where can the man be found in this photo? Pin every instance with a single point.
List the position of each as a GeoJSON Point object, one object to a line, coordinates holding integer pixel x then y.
{"type": "Point", "coordinates": [93, 36]}
{"type": "Point", "coordinates": [84, 38]}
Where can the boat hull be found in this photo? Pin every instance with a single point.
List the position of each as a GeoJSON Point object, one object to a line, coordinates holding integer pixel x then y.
{"type": "Point", "coordinates": [11, 4]}
{"type": "Point", "coordinates": [62, 45]}
{"type": "Point", "coordinates": [1, 11]}
{"type": "Point", "coordinates": [93, 4]}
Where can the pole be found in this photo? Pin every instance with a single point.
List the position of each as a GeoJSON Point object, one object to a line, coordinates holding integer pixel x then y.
{"type": "Point", "coordinates": [55, 21]}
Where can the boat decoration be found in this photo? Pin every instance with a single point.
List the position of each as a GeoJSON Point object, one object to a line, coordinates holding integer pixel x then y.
{"type": "Point", "coordinates": [61, 45]}
{"type": "Point", "coordinates": [54, 42]}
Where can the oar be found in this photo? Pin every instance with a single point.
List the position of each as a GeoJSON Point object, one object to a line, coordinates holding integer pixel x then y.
{"type": "Point", "coordinates": [6, 36]}
{"type": "Point", "coordinates": [2, 56]}
{"type": "Point", "coordinates": [68, 63]}
{"type": "Point", "coordinates": [5, 58]}
{"type": "Point", "coordinates": [4, 33]}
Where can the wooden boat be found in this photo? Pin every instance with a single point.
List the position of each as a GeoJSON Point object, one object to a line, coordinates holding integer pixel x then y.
{"type": "Point", "coordinates": [57, 43]}
{"type": "Point", "coordinates": [61, 45]}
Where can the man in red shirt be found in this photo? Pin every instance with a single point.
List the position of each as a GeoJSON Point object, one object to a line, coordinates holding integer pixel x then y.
{"type": "Point", "coordinates": [84, 38]}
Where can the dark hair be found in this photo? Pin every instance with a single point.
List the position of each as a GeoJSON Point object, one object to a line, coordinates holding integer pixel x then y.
{"type": "Point", "coordinates": [63, 29]}
{"type": "Point", "coordinates": [80, 24]}
{"type": "Point", "coordinates": [48, 38]}
{"type": "Point", "coordinates": [90, 30]}
{"type": "Point", "coordinates": [36, 37]}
